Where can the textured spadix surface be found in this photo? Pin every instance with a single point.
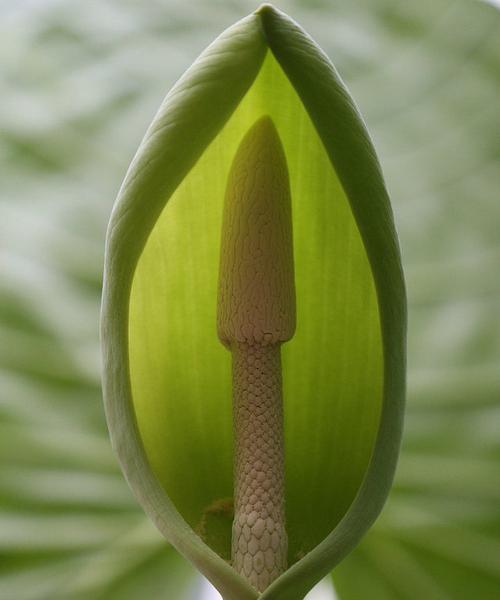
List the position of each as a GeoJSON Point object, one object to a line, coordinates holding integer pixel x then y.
{"type": "Point", "coordinates": [255, 315]}
{"type": "Point", "coordinates": [343, 372]}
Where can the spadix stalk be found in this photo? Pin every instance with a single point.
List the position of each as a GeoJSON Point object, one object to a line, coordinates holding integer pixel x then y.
{"type": "Point", "coordinates": [256, 313]}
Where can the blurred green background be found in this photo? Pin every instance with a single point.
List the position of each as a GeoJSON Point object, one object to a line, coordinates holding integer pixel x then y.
{"type": "Point", "coordinates": [80, 82]}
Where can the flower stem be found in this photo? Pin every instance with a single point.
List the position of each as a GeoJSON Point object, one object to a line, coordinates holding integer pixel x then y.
{"type": "Point", "coordinates": [259, 544]}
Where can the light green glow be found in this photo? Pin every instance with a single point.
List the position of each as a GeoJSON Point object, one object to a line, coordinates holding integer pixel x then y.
{"type": "Point", "coordinates": [332, 369]}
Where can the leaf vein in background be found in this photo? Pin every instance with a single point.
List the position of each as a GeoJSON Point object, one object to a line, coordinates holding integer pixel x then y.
{"type": "Point", "coordinates": [79, 85]}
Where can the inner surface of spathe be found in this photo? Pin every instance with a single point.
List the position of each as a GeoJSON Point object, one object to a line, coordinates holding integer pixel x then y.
{"type": "Point", "coordinates": [332, 368]}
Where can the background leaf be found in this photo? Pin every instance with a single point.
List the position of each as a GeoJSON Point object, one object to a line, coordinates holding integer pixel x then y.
{"type": "Point", "coordinates": [80, 84]}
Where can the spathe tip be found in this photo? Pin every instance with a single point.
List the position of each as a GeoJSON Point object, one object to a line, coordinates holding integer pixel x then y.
{"type": "Point", "coordinates": [266, 7]}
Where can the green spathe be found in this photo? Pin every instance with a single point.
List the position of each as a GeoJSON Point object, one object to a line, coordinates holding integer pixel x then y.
{"type": "Point", "coordinates": [166, 375]}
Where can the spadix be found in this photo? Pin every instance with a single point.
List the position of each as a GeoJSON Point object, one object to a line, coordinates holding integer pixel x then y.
{"type": "Point", "coordinates": [255, 314]}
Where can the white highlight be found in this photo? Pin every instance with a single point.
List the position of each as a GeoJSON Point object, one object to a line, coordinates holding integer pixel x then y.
{"type": "Point", "coordinates": [323, 591]}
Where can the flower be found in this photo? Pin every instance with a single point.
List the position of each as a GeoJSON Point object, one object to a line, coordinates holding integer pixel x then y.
{"type": "Point", "coordinates": [166, 377]}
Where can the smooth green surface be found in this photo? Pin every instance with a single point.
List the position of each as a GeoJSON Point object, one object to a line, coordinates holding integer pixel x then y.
{"type": "Point", "coordinates": [80, 85]}
{"type": "Point", "coordinates": [181, 375]}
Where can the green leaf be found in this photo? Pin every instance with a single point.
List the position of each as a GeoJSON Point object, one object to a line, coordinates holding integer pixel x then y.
{"type": "Point", "coordinates": [166, 375]}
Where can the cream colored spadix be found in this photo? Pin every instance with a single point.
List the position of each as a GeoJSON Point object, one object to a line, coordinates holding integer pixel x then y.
{"type": "Point", "coordinates": [256, 313]}
{"type": "Point", "coordinates": [256, 301]}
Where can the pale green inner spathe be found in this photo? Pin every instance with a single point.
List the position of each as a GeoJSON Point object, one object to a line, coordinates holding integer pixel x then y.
{"type": "Point", "coordinates": [332, 368]}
